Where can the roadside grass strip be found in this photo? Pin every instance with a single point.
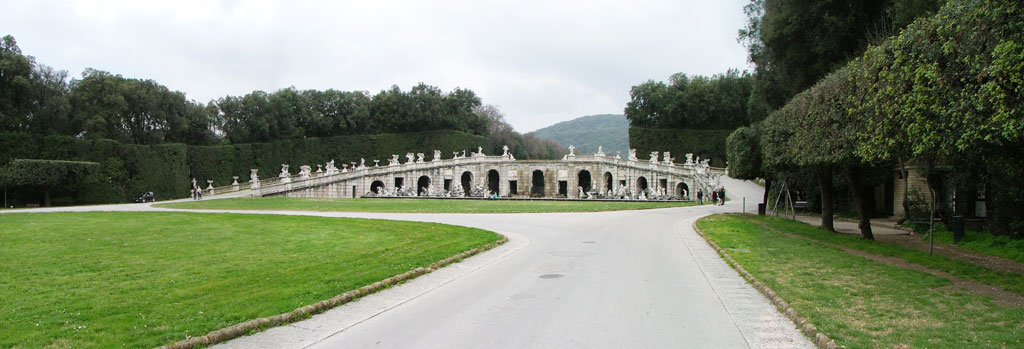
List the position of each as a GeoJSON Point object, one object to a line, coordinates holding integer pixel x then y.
{"type": "Point", "coordinates": [858, 302]}
{"type": "Point", "coordinates": [147, 279]}
{"type": "Point", "coordinates": [419, 205]}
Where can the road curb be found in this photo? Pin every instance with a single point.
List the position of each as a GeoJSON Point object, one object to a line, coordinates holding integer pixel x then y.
{"type": "Point", "coordinates": [302, 313]}
{"type": "Point", "coordinates": [819, 338]}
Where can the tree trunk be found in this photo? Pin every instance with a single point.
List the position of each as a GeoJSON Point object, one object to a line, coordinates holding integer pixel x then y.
{"type": "Point", "coordinates": [767, 187]}
{"type": "Point", "coordinates": [906, 188]}
{"type": "Point", "coordinates": [860, 194]}
{"type": "Point", "coordinates": [827, 210]}
{"type": "Point", "coordinates": [931, 223]}
{"type": "Point", "coordinates": [933, 190]}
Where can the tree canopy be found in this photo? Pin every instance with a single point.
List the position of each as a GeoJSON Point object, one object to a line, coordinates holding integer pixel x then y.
{"type": "Point", "coordinates": [947, 89]}
{"type": "Point", "coordinates": [795, 43]}
{"type": "Point", "coordinates": [38, 99]}
{"type": "Point", "coordinates": [697, 102]}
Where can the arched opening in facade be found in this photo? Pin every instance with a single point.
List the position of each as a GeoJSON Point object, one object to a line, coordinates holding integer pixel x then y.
{"type": "Point", "coordinates": [608, 181]}
{"type": "Point", "coordinates": [467, 183]}
{"type": "Point", "coordinates": [375, 186]}
{"type": "Point", "coordinates": [537, 190]}
{"type": "Point", "coordinates": [682, 191]}
{"type": "Point", "coordinates": [423, 186]}
{"type": "Point", "coordinates": [583, 180]}
{"type": "Point", "coordinates": [641, 184]}
{"type": "Point", "coordinates": [492, 181]}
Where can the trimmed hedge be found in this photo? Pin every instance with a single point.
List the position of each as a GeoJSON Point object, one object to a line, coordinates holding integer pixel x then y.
{"type": "Point", "coordinates": [703, 143]}
{"type": "Point", "coordinates": [124, 172]}
{"type": "Point", "coordinates": [127, 170]}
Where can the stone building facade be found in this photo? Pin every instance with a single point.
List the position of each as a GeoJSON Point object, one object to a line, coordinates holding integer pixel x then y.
{"type": "Point", "coordinates": [505, 176]}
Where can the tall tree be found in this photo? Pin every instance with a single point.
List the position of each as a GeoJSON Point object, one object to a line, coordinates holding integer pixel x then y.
{"type": "Point", "coordinates": [692, 102]}
{"type": "Point", "coordinates": [793, 44]}
{"type": "Point", "coordinates": [135, 111]}
{"type": "Point", "coordinates": [15, 83]}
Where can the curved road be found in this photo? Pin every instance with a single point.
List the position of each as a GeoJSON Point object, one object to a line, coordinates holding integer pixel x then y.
{"type": "Point", "coordinates": [594, 280]}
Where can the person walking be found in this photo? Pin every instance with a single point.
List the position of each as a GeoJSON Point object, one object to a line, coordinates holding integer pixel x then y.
{"type": "Point", "coordinates": [721, 195]}
{"type": "Point", "coordinates": [700, 197]}
{"type": "Point", "coordinates": [714, 197]}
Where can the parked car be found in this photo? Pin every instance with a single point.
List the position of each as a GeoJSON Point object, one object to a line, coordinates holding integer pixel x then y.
{"type": "Point", "coordinates": [146, 197]}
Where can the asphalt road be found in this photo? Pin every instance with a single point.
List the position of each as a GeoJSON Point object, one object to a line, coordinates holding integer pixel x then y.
{"type": "Point", "coordinates": [593, 280]}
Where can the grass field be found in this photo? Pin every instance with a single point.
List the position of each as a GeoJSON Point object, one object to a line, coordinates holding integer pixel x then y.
{"type": "Point", "coordinates": [983, 242]}
{"type": "Point", "coordinates": [1008, 281]}
{"type": "Point", "coordinates": [147, 279]}
{"type": "Point", "coordinates": [418, 205]}
{"type": "Point", "coordinates": [858, 302]}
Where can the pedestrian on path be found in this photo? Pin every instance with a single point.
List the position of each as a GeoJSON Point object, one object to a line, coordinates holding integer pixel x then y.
{"type": "Point", "coordinates": [721, 195]}
{"type": "Point", "coordinates": [714, 197]}
{"type": "Point", "coordinates": [700, 197]}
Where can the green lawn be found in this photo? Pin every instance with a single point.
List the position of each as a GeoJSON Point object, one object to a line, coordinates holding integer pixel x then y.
{"type": "Point", "coordinates": [147, 279]}
{"type": "Point", "coordinates": [982, 242]}
{"type": "Point", "coordinates": [1008, 281]}
{"type": "Point", "coordinates": [419, 205]}
{"type": "Point", "coordinates": [858, 302]}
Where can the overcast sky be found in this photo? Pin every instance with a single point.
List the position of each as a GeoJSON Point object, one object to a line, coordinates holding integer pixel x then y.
{"type": "Point", "coordinates": [540, 62]}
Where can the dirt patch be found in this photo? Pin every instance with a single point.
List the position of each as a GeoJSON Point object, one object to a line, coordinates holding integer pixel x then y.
{"type": "Point", "coordinates": [888, 232]}
{"type": "Point", "coordinates": [997, 294]}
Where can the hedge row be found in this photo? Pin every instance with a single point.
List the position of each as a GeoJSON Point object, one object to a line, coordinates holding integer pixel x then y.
{"type": "Point", "coordinates": [127, 170]}
{"type": "Point", "coordinates": [707, 144]}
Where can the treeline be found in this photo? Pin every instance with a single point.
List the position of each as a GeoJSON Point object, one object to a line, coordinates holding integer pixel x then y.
{"type": "Point", "coordinates": [292, 114]}
{"type": "Point", "coordinates": [692, 102]}
{"type": "Point", "coordinates": [943, 96]}
{"type": "Point", "coordinates": [38, 99]}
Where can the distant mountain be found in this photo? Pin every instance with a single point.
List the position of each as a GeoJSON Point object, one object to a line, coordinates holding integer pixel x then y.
{"type": "Point", "coordinates": [588, 132]}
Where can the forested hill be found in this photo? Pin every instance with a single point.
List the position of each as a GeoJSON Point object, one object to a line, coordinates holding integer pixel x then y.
{"type": "Point", "coordinates": [588, 132]}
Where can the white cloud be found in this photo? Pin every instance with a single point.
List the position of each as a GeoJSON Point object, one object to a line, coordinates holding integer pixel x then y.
{"type": "Point", "coordinates": [541, 61]}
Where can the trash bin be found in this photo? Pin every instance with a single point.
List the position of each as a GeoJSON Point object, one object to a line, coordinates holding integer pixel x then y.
{"type": "Point", "coordinates": [957, 226]}
{"type": "Point", "coordinates": [761, 209]}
